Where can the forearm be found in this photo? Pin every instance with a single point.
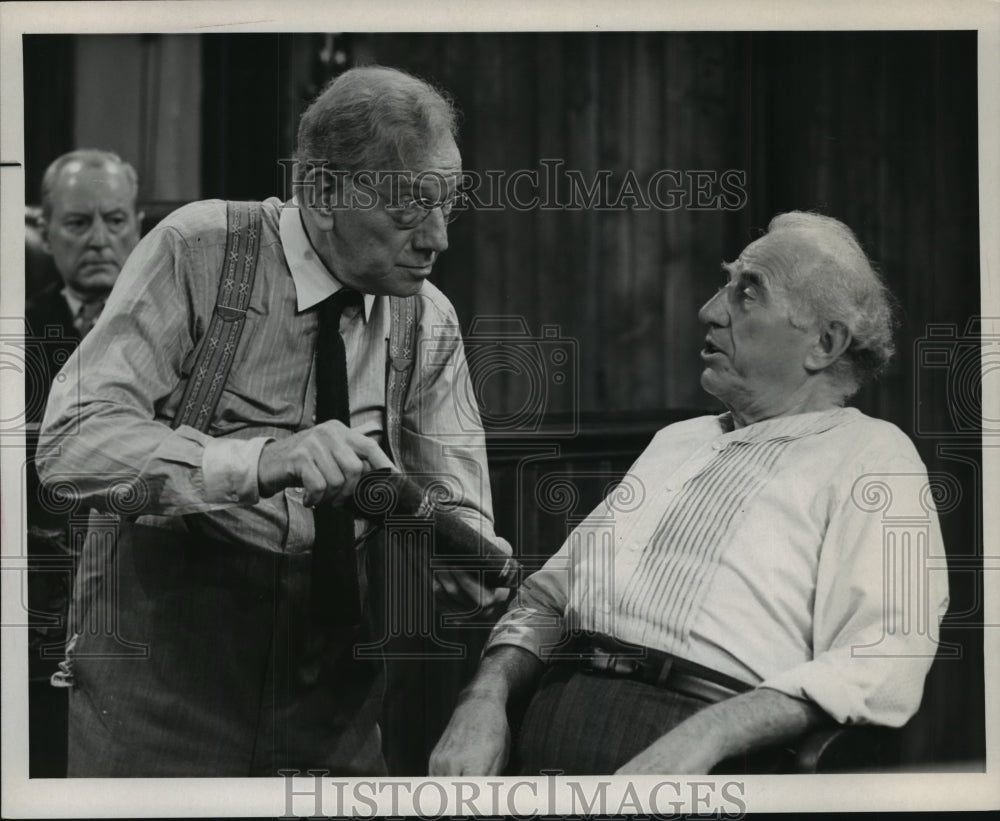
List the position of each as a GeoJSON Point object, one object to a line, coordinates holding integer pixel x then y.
{"type": "Point", "coordinates": [760, 718]}
{"type": "Point", "coordinates": [477, 738]}
{"type": "Point", "coordinates": [91, 449]}
{"type": "Point", "coordinates": [505, 673]}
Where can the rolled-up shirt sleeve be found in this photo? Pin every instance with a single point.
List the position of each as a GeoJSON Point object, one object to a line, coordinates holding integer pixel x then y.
{"type": "Point", "coordinates": [534, 621]}
{"type": "Point", "coordinates": [101, 435]}
{"type": "Point", "coordinates": [540, 618]}
{"type": "Point", "coordinates": [880, 595]}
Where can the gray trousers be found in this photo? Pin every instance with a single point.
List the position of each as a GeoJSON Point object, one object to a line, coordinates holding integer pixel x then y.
{"type": "Point", "coordinates": [190, 658]}
{"type": "Point", "coordinates": [585, 722]}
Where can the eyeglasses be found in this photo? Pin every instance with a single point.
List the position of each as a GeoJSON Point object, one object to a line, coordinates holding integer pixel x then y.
{"type": "Point", "coordinates": [414, 210]}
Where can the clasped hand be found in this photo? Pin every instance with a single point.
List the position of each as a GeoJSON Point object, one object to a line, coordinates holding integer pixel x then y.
{"type": "Point", "coordinates": [326, 461]}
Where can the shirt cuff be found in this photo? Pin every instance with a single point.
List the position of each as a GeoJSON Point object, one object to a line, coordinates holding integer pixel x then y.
{"type": "Point", "coordinates": [230, 469]}
{"type": "Point", "coordinates": [857, 690]}
{"type": "Point", "coordinates": [539, 634]}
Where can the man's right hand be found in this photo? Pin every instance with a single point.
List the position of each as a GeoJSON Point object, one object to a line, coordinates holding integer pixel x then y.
{"type": "Point", "coordinates": [476, 741]}
{"type": "Point", "coordinates": [326, 461]}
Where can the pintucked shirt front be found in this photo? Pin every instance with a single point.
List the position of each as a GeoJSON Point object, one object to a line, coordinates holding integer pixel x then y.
{"type": "Point", "coordinates": [124, 384]}
{"type": "Point", "coordinates": [760, 552]}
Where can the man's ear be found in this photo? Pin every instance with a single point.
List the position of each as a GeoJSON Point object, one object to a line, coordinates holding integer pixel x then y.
{"type": "Point", "coordinates": [322, 191]}
{"type": "Point", "coordinates": [831, 343]}
{"type": "Point", "coordinates": [43, 232]}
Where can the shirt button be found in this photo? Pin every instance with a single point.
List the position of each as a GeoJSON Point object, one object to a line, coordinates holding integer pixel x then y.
{"type": "Point", "coordinates": [717, 446]}
{"type": "Point", "coordinates": [671, 487]}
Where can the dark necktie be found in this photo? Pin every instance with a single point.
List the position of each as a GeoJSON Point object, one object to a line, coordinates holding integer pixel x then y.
{"type": "Point", "coordinates": [87, 316]}
{"type": "Point", "coordinates": [335, 598]}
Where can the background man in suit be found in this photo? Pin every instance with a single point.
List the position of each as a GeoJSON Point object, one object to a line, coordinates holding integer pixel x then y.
{"type": "Point", "coordinates": [89, 225]}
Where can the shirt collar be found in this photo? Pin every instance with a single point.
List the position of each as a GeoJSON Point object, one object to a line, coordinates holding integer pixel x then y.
{"type": "Point", "coordinates": [794, 426]}
{"type": "Point", "coordinates": [313, 280]}
{"type": "Point", "coordinates": [74, 304]}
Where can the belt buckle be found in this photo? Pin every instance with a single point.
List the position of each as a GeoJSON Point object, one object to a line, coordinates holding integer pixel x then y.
{"type": "Point", "coordinates": [609, 663]}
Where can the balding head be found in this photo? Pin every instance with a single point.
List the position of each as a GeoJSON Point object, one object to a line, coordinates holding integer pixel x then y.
{"type": "Point", "coordinates": [81, 160]}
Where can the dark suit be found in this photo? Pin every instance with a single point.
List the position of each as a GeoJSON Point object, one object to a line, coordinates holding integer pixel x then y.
{"type": "Point", "coordinates": [50, 337]}
{"type": "Point", "coordinates": [50, 327]}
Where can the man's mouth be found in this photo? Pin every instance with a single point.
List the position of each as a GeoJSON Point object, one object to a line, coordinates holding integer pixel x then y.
{"type": "Point", "coordinates": [709, 349]}
{"type": "Point", "coordinates": [419, 270]}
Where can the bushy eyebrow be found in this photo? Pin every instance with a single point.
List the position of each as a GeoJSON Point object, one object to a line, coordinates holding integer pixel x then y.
{"type": "Point", "coordinates": [87, 214]}
{"type": "Point", "coordinates": [734, 270]}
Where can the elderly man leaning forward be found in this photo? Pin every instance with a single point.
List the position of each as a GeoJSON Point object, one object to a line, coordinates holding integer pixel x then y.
{"type": "Point", "coordinates": [216, 635]}
{"type": "Point", "coordinates": [735, 585]}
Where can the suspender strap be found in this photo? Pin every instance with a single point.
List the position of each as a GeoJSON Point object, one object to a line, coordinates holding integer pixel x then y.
{"type": "Point", "coordinates": [218, 347]}
{"type": "Point", "coordinates": [402, 342]}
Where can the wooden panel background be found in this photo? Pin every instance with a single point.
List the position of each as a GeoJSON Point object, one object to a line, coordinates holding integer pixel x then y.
{"type": "Point", "coordinates": [877, 129]}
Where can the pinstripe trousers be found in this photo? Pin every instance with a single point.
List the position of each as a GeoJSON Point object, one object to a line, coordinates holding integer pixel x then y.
{"type": "Point", "coordinates": [586, 722]}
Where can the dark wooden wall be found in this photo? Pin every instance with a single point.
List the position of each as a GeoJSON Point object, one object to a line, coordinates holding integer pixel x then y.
{"type": "Point", "coordinates": [876, 129]}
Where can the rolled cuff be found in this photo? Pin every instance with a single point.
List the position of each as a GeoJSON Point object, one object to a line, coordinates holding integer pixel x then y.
{"type": "Point", "coordinates": [541, 634]}
{"type": "Point", "coordinates": [229, 467]}
{"type": "Point", "coordinates": [884, 691]}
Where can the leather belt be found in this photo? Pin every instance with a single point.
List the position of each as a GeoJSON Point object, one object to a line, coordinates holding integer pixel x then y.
{"type": "Point", "coordinates": [603, 654]}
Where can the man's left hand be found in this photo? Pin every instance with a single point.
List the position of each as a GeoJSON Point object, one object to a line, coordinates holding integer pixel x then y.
{"type": "Point", "coordinates": [465, 591]}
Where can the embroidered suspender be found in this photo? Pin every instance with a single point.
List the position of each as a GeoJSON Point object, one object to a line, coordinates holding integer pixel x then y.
{"type": "Point", "coordinates": [218, 349]}
{"type": "Point", "coordinates": [402, 339]}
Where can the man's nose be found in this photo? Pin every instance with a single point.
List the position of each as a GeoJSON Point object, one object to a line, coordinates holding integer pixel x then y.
{"type": "Point", "coordinates": [714, 311]}
{"type": "Point", "coordinates": [432, 233]}
{"type": "Point", "coordinates": [99, 236]}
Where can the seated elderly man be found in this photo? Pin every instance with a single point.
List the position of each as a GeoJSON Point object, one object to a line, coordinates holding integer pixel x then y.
{"type": "Point", "coordinates": [727, 611]}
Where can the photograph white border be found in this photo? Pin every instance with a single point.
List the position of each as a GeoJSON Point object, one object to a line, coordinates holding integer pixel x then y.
{"type": "Point", "coordinates": [60, 798]}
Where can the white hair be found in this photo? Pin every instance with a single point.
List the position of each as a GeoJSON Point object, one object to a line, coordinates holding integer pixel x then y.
{"type": "Point", "coordinates": [839, 284]}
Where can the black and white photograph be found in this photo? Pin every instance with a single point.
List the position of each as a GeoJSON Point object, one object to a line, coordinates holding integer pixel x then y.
{"type": "Point", "coordinates": [427, 410]}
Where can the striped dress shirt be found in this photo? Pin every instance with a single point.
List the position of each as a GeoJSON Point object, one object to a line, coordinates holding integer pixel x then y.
{"type": "Point", "coordinates": [770, 553]}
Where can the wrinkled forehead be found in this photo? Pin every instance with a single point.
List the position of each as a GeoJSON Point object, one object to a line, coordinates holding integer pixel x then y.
{"type": "Point", "coordinates": [436, 168]}
{"type": "Point", "coordinates": [780, 257]}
